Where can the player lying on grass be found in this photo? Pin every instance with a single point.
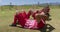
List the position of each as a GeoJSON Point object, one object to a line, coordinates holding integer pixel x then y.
{"type": "Point", "coordinates": [36, 23]}
{"type": "Point", "coordinates": [46, 10]}
{"type": "Point", "coordinates": [19, 17]}
{"type": "Point", "coordinates": [35, 12]}
{"type": "Point", "coordinates": [22, 19]}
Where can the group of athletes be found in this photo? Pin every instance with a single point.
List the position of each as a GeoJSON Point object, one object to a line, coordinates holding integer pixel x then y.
{"type": "Point", "coordinates": [38, 18]}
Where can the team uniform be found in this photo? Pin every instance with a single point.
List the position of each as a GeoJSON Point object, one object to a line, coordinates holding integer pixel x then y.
{"type": "Point", "coordinates": [23, 20]}
{"type": "Point", "coordinates": [20, 19]}
{"type": "Point", "coordinates": [33, 24]}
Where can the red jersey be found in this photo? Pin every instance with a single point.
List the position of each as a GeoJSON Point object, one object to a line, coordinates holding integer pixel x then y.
{"type": "Point", "coordinates": [41, 24]}
{"type": "Point", "coordinates": [21, 18]}
{"type": "Point", "coordinates": [47, 9]}
{"type": "Point", "coordinates": [33, 24]}
{"type": "Point", "coordinates": [33, 15]}
{"type": "Point", "coordinates": [28, 14]}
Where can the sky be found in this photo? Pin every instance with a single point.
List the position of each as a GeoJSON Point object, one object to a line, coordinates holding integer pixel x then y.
{"type": "Point", "coordinates": [22, 2]}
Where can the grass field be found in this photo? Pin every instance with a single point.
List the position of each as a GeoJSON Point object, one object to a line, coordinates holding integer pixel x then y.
{"type": "Point", "coordinates": [6, 18]}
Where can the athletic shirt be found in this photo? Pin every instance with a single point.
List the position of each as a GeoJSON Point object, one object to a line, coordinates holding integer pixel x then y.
{"type": "Point", "coordinates": [21, 18]}
{"type": "Point", "coordinates": [41, 24]}
{"type": "Point", "coordinates": [33, 24]}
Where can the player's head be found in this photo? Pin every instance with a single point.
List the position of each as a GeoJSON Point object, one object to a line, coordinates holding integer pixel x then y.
{"type": "Point", "coordinates": [17, 12]}
{"type": "Point", "coordinates": [31, 11]}
{"type": "Point", "coordinates": [38, 16]}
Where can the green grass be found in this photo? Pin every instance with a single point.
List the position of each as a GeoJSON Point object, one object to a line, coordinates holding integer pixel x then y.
{"type": "Point", "coordinates": [6, 18]}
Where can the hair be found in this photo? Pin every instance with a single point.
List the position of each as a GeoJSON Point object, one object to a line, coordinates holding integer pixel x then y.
{"type": "Point", "coordinates": [38, 16]}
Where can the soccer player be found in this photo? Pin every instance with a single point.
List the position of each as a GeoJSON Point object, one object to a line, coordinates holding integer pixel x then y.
{"type": "Point", "coordinates": [19, 18]}
{"type": "Point", "coordinates": [36, 23]}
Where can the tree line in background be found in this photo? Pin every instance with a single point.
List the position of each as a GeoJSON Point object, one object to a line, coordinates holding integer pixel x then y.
{"type": "Point", "coordinates": [10, 7]}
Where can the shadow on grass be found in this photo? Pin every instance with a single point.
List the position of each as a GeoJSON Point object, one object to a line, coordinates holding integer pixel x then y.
{"type": "Point", "coordinates": [49, 19]}
{"type": "Point", "coordinates": [47, 28]}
